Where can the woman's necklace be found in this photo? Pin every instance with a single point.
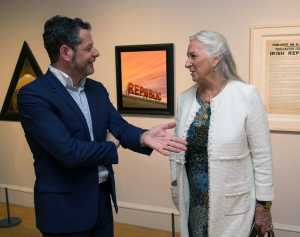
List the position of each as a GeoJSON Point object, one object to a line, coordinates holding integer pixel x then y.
{"type": "Point", "coordinates": [209, 94]}
{"type": "Point", "coordinates": [205, 99]}
{"type": "Point", "coordinates": [205, 106]}
{"type": "Point", "coordinates": [203, 116]}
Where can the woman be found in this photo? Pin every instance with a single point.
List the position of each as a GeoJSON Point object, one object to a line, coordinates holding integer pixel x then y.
{"type": "Point", "coordinates": [225, 176]}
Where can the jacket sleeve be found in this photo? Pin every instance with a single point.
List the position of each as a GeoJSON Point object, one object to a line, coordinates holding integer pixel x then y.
{"type": "Point", "coordinates": [173, 163]}
{"type": "Point", "coordinates": [43, 127]}
{"type": "Point", "coordinates": [173, 156]}
{"type": "Point", "coordinates": [260, 147]}
{"type": "Point", "coordinates": [128, 134]}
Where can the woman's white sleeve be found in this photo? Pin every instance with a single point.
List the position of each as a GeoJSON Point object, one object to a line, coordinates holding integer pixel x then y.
{"type": "Point", "coordinates": [258, 135]}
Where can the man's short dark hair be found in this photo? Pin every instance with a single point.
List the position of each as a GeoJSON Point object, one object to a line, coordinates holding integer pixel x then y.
{"type": "Point", "coordinates": [59, 30]}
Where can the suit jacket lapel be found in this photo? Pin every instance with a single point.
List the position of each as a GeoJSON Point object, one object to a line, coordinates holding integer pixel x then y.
{"type": "Point", "coordinates": [59, 89]}
{"type": "Point", "coordinates": [92, 100]}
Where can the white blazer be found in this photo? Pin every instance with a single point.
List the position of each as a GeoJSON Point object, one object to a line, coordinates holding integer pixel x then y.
{"type": "Point", "coordinates": [239, 159]}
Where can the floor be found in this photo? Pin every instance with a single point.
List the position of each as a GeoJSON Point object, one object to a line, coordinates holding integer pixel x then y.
{"type": "Point", "coordinates": [27, 226]}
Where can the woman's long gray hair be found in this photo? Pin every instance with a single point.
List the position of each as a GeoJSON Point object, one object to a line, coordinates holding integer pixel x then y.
{"type": "Point", "coordinates": [216, 45]}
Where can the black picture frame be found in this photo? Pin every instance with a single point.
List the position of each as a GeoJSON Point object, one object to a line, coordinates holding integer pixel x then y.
{"type": "Point", "coordinates": [27, 69]}
{"type": "Point", "coordinates": [145, 79]}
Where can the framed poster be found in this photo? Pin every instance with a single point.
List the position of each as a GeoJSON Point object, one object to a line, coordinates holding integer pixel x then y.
{"type": "Point", "coordinates": [145, 75]}
{"type": "Point", "coordinates": [26, 70]}
{"type": "Point", "coordinates": [275, 71]}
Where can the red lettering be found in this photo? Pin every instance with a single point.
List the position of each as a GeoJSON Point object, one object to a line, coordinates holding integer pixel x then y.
{"type": "Point", "coordinates": [143, 92]}
{"type": "Point", "coordinates": [158, 96]}
{"type": "Point", "coordinates": [136, 89]}
{"type": "Point", "coordinates": [130, 88]}
{"type": "Point", "coordinates": [142, 89]}
{"type": "Point", "coordinates": [146, 93]}
{"type": "Point", "coordinates": [151, 94]}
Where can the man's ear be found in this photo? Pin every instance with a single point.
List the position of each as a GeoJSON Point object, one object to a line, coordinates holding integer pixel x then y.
{"type": "Point", "coordinates": [66, 53]}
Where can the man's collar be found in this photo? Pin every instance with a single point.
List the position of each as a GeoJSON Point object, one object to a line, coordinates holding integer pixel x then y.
{"type": "Point", "coordinates": [65, 79]}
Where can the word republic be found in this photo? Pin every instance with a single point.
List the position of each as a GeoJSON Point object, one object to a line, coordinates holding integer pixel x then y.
{"type": "Point", "coordinates": [134, 89]}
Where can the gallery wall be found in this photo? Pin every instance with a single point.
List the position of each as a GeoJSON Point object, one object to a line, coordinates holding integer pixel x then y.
{"type": "Point", "coordinates": [143, 182]}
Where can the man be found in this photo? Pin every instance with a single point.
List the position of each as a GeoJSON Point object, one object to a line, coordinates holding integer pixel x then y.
{"type": "Point", "coordinates": [66, 117]}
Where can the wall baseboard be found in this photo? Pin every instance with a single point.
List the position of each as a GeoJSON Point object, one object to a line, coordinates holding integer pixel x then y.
{"type": "Point", "coordinates": [17, 188]}
{"type": "Point", "coordinates": [289, 228]}
{"type": "Point", "coordinates": [134, 213]}
{"type": "Point", "coordinates": [147, 208]}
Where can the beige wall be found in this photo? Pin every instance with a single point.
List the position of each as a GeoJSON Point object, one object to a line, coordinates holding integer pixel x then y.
{"type": "Point", "coordinates": [142, 181]}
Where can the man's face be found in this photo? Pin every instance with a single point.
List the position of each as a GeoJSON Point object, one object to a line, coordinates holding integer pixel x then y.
{"type": "Point", "coordinates": [85, 55]}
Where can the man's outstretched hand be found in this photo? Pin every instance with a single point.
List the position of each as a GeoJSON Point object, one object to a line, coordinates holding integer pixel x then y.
{"type": "Point", "coordinates": [160, 140]}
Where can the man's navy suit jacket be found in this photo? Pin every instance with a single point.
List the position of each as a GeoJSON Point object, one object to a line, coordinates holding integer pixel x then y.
{"type": "Point", "coordinates": [65, 159]}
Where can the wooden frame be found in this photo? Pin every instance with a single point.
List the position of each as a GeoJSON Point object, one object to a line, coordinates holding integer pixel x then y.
{"type": "Point", "coordinates": [145, 75]}
{"type": "Point", "coordinates": [275, 71]}
{"type": "Point", "coordinates": [26, 70]}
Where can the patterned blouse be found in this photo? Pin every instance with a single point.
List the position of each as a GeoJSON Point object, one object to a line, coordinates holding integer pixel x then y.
{"type": "Point", "coordinates": [197, 172]}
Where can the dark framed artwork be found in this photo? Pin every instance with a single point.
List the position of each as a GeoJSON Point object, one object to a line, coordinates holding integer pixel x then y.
{"type": "Point", "coordinates": [26, 70]}
{"type": "Point", "coordinates": [145, 79]}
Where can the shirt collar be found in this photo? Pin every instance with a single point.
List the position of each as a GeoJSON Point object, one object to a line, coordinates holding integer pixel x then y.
{"type": "Point", "coordinates": [66, 80]}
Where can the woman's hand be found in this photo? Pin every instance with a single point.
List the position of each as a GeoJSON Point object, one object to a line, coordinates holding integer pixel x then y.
{"type": "Point", "coordinates": [263, 220]}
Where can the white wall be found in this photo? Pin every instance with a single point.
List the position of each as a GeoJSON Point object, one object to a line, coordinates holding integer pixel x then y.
{"type": "Point", "coordinates": [143, 181]}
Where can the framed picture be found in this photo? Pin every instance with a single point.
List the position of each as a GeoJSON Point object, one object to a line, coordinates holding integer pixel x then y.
{"type": "Point", "coordinates": [145, 79]}
{"type": "Point", "coordinates": [26, 70]}
{"type": "Point", "coordinates": [275, 71]}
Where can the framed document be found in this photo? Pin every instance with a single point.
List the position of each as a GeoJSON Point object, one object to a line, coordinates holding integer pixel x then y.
{"type": "Point", "coordinates": [275, 71]}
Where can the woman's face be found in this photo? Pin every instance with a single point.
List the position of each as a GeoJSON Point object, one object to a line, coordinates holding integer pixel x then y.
{"type": "Point", "coordinates": [198, 61]}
